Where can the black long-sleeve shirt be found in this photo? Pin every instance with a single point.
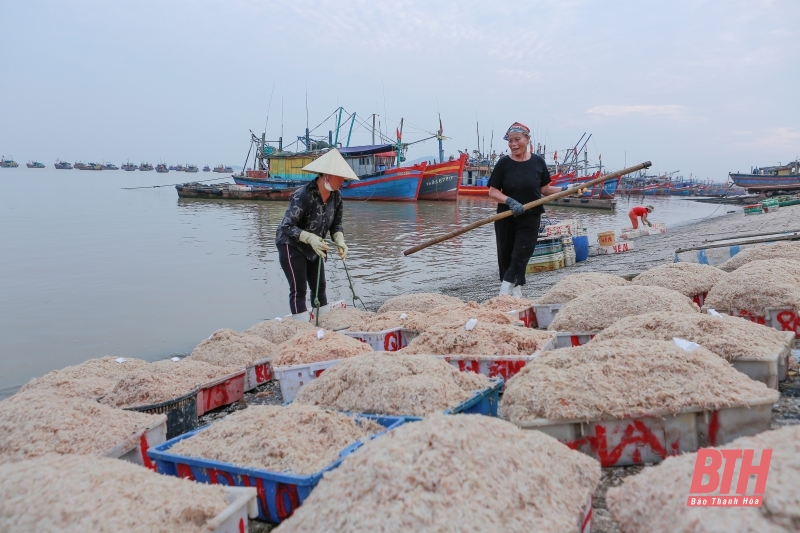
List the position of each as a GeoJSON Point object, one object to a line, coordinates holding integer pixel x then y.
{"type": "Point", "coordinates": [307, 212]}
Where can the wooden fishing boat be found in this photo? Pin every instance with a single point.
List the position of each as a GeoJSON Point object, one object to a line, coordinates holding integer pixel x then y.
{"type": "Point", "coordinates": [233, 192]}
{"type": "Point", "coordinates": [441, 181]}
{"type": "Point", "coordinates": [776, 178]}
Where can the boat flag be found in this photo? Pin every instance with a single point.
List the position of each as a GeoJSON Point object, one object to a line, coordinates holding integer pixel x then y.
{"type": "Point", "coordinates": [399, 136]}
{"type": "Point", "coordinates": [555, 155]}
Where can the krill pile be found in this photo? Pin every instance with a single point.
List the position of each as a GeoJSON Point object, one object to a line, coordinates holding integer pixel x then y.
{"type": "Point", "coordinates": [778, 250]}
{"type": "Point", "coordinates": [688, 279]}
{"type": "Point", "coordinates": [421, 302]}
{"type": "Point", "coordinates": [483, 339]}
{"type": "Point", "coordinates": [572, 286]}
{"type": "Point", "coordinates": [307, 348]}
{"type": "Point", "coordinates": [225, 347]}
{"type": "Point", "coordinates": [90, 379]}
{"type": "Point", "coordinates": [279, 330]}
{"type": "Point", "coordinates": [757, 285]}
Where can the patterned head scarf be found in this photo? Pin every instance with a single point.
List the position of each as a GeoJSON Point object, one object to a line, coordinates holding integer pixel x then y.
{"type": "Point", "coordinates": [518, 127]}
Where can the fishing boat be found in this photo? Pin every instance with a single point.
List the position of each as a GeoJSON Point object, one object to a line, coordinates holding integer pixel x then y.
{"type": "Point", "coordinates": [63, 165]}
{"type": "Point", "coordinates": [206, 168]}
{"type": "Point", "coordinates": [769, 179]}
{"type": "Point", "coordinates": [110, 166]}
{"type": "Point", "coordinates": [129, 167]}
{"type": "Point", "coordinates": [191, 168]}
{"type": "Point", "coordinates": [227, 170]}
{"type": "Point", "coordinates": [146, 167]}
{"type": "Point", "coordinates": [172, 167]}
{"type": "Point", "coordinates": [233, 191]}
{"type": "Point", "coordinates": [440, 180]}
{"type": "Point", "coordinates": [8, 163]}
{"type": "Point", "coordinates": [161, 168]}
{"type": "Point", "coordinates": [219, 168]}
{"type": "Point", "coordinates": [179, 168]}
{"type": "Point", "coordinates": [34, 164]}
{"type": "Point", "coordinates": [92, 166]}
{"type": "Point", "coordinates": [80, 166]}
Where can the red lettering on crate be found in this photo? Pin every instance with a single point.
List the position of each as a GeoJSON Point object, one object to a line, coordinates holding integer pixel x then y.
{"type": "Point", "coordinates": [469, 366]}
{"type": "Point", "coordinates": [752, 318]}
{"type": "Point", "coordinates": [318, 372]}
{"type": "Point", "coordinates": [289, 491]}
{"type": "Point", "coordinates": [789, 321]}
{"type": "Point", "coordinates": [575, 340]}
{"type": "Point", "coordinates": [700, 299]}
{"type": "Point", "coordinates": [185, 471]}
{"type": "Point", "coordinates": [391, 341]}
{"type": "Point", "coordinates": [636, 433]}
{"type": "Point", "coordinates": [587, 521]}
{"type": "Point", "coordinates": [213, 473]}
{"type": "Point", "coordinates": [143, 447]}
{"type": "Point", "coordinates": [241, 526]}
{"type": "Point", "coordinates": [506, 368]}
{"type": "Point", "coordinates": [263, 373]}
{"type": "Point", "coordinates": [528, 318]}
{"type": "Point", "coordinates": [262, 494]}
{"type": "Point", "coordinates": [713, 428]}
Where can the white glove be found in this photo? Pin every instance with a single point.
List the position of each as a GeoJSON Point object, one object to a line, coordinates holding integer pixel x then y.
{"type": "Point", "coordinates": [341, 249]}
{"type": "Point", "coordinates": [315, 242]}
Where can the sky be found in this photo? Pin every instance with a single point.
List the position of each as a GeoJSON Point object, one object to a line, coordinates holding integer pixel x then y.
{"type": "Point", "coordinates": [699, 87]}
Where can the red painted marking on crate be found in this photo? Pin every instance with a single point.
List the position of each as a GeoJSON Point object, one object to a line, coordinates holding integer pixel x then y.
{"type": "Point", "coordinates": [185, 471]}
{"type": "Point", "coordinates": [752, 318]}
{"type": "Point", "coordinates": [700, 299]}
{"type": "Point", "coordinates": [294, 500]}
{"type": "Point", "coordinates": [637, 457]}
{"type": "Point", "coordinates": [575, 340]}
{"type": "Point", "coordinates": [391, 341]}
{"type": "Point", "coordinates": [506, 368]}
{"type": "Point", "coordinates": [213, 473]}
{"type": "Point", "coordinates": [241, 526]}
{"type": "Point", "coordinates": [318, 372]}
{"type": "Point", "coordinates": [143, 447]}
{"type": "Point", "coordinates": [528, 318]}
{"type": "Point", "coordinates": [263, 373]}
{"type": "Point", "coordinates": [587, 521]}
{"type": "Point", "coordinates": [262, 494]}
{"type": "Point", "coordinates": [469, 366]}
{"type": "Point", "coordinates": [713, 428]}
{"type": "Point", "coordinates": [635, 433]}
{"type": "Point", "coordinates": [225, 393]}
{"type": "Point", "coordinates": [789, 321]}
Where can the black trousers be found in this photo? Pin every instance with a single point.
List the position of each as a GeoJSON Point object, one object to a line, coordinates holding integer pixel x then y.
{"type": "Point", "coordinates": [302, 272]}
{"type": "Point", "coordinates": [516, 240]}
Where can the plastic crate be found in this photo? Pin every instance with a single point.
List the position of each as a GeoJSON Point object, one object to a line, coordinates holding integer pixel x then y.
{"type": "Point", "coordinates": [780, 318]}
{"type": "Point", "coordinates": [545, 313]}
{"type": "Point", "coordinates": [651, 439]}
{"type": "Point", "coordinates": [279, 494]}
{"type": "Point", "coordinates": [181, 413]}
{"type": "Point", "coordinates": [483, 402]}
{"type": "Point", "coordinates": [235, 517]}
{"type": "Point", "coordinates": [492, 366]}
{"type": "Point", "coordinates": [257, 374]}
{"type": "Point", "coordinates": [547, 249]}
{"type": "Point", "coordinates": [388, 340]}
{"type": "Point", "coordinates": [567, 339]}
{"type": "Point", "coordinates": [633, 234]}
{"type": "Point", "coordinates": [545, 263]}
{"type": "Point", "coordinates": [526, 316]}
{"type": "Point", "coordinates": [618, 248]}
{"type": "Point", "coordinates": [292, 378]}
{"type": "Point", "coordinates": [220, 392]}
{"type": "Point", "coordinates": [134, 448]}
{"type": "Point", "coordinates": [700, 299]}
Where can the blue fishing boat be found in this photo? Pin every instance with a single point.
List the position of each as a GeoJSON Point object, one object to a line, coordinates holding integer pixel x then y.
{"type": "Point", "coordinates": [777, 178]}
{"type": "Point", "coordinates": [8, 163]}
{"type": "Point", "coordinates": [34, 164]}
{"type": "Point", "coordinates": [378, 178]}
{"type": "Point", "coordinates": [63, 165]}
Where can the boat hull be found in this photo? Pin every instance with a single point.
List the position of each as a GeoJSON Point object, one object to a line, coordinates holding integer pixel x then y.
{"type": "Point", "coordinates": [586, 203]}
{"type": "Point", "coordinates": [473, 190]}
{"type": "Point", "coordinates": [394, 185]}
{"type": "Point", "coordinates": [440, 181]}
{"type": "Point", "coordinates": [232, 192]}
{"type": "Point", "coordinates": [757, 182]}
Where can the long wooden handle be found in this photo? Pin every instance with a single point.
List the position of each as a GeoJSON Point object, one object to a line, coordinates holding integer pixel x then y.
{"type": "Point", "coordinates": [529, 205]}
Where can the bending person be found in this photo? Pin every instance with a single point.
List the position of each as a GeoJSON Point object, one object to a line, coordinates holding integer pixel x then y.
{"type": "Point", "coordinates": [517, 179]}
{"type": "Point", "coordinates": [640, 211]}
{"type": "Point", "coordinates": [315, 209]}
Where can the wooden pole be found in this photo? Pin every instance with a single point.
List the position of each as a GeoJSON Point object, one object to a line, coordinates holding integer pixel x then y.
{"type": "Point", "coordinates": [529, 205]}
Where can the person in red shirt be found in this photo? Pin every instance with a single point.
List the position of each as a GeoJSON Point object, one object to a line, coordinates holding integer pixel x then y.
{"type": "Point", "coordinates": [640, 211]}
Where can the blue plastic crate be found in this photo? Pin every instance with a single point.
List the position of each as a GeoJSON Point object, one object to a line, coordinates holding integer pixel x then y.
{"type": "Point", "coordinates": [279, 494]}
{"type": "Point", "coordinates": [484, 402]}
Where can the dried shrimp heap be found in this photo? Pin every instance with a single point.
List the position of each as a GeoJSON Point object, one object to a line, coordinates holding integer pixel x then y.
{"type": "Point", "coordinates": [574, 285]}
{"type": "Point", "coordinates": [421, 302]}
{"type": "Point", "coordinates": [307, 348]}
{"type": "Point", "coordinates": [688, 279]}
{"type": "Point", "coordinates": [484, 339]}
{"type": "Point", "coordinates": [89, 379]}
{"type": "Point", "coordinates": [162, 381]}
{"type": "Point", "coordinates": [756, 286]}
{"type": "Point", "coordinates": [79, 493]}
{"type": "Point", "coordinates": [407, 385]}
{"type": "Point", "coordinates": [779, 250]}
{"type": "Point", "coordinates": [639, 378]}
{"type": "Point", "coordinates": [391, 320]}
{"type": "Point", "coordinates": [598, 309]}
{"type": "Point", "coordinates": [458, 315]}
{"type": "Point", "coordinates": [655, 499]}
{"type": "Point", "coordinates": [279, 330]}
{"type": "Point", "coordinates": [298, 439]}
{"type": "Point", "coordinates": [225, 347]}
{"type": "Point", "coordinates": [506, 302]}
{"type": "Point", "coordinates": [33, 424]}
{"type": "Point", "coordinates": [347, 318]}
{"type": "Point", "coordinates": [727, 336]}
{"type": "Point", "coordinates": [468, 473]}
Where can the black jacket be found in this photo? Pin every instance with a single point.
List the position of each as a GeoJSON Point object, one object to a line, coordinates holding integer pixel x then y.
{"type": "Point", "coordinates": [307, 212]}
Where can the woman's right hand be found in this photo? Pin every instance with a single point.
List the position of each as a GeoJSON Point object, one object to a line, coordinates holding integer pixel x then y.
{"type": "Point", "coordinates": [517, 208]}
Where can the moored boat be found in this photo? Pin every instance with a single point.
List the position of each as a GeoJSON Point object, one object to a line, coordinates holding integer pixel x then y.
{"type": "Point", "coordinates": [34, 164]}
{"type": "Point", "coordinates": [440, 181]}
{"type": "Point", "coordinates": [219, 168]}
{"type": "Point", "coordinates": [191, 168]}
{"type": "Point", "coordinates": [227, 170]}
{"type": "Point", "coordinates": [63, 165]}
{"type": "Point", "coordinates": [8, 163]}
{"type": "Point", "coordinates": [161, 168]}
{"type": "Point", "coordinates": [769, 179]}
{"type": "Point", "coordinates": [110, 166]}
{"type": "Point", "coordinates": [206, 168]}
{"type": "Point", "coordinates": [80, 165]}
{"type": "Point", "coordinates": [129, 167]}
{"type": "Point", "coordinates": [234, 191]}
{"type": "Point", "coordinates": [92, 166]}
{"type": "Point", "coordinates": [179, 168]}
{"type": "Point", "coordinates": [171, 167]}
{"type": "Point", "coordinates": [146, 167]}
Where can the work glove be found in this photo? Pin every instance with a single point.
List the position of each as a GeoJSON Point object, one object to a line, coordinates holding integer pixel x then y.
{"type": "Point", "coordinates": [578, 191]}
{"type": "Point", "coordinates": [315, 242]}
{"type": "Point", "coordinates": [516, 207]}
{"type": "Point", "coordinates": [341, 247]}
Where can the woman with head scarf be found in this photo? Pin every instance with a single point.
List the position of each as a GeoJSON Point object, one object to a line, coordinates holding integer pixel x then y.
{"type": "Point", "coordinates": [517, 179]}
{"type": "Point", "coordinates": [315, 209]}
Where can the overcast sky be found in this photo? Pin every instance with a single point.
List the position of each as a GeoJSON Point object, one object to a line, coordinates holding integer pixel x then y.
{"type": "Point", "coordinates": [704, 87]}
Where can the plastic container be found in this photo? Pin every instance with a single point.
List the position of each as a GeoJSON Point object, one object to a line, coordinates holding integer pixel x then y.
{"type": "Point", "coordinates": [257, 374]}
{"type": "Point", "coordinates": [483, 402]}
{"type": "Point", "coordinates": [606, 238]}
{"type": "Point", "coordinates": [545, 263]}
{"type": "Point", "coordinates": [656, 228]}
{"type": "Point", "coordinates": [581, 243]}
{"type": "Point", "coordinates": [220, 392]}
{"type": "Point", "coordinates": [388, 340]}
{"type": "Point", "coordinates": [278, 494]}
{"type": "Point", "coordinates": [572, 339]}
{"type": "Point", "coordinates": [181, 413]}
{"type": "Point", "coordinates": [547, 249]}
{"type": "Point", "coordinates": [292, 378]}
{"type": "Point", "coordinates": [134, 448]}
{"type": "Point", "coordinates": [700, 299]}
{"type": "Point", "coordinates": [616, 249]}
{"type": "Point", "coordinates": [633, 234]}
{"type": "Point", "coordinates": [651, 439]}
{"type": "Point", "coordinates": [569, 256]}
{"type": "Point", "coordinates": [526, 316]}
{"type": "Point", "coordinates": [545, 313]}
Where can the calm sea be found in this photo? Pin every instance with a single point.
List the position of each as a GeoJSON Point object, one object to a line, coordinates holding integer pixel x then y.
{"type": "Point", "coordinates": [89, 269]}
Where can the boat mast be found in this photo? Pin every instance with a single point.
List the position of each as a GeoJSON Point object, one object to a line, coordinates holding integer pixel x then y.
{"type": "Point", "coordinates": [349, 133]}
{"type": "Point", "coordinates": [338, 123]}
{"type": "Point", "coordinates": [399, 144]}
{"type": "Point", "coordinates": [373, 129]}
{"type": "Point", "coordinates": [439, 137]}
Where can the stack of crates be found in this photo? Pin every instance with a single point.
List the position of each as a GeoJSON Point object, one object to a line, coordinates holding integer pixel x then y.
{"type": "Point", "coordinates": [769, 205]}
{"type": "Point", "coordinates": [753, 209]}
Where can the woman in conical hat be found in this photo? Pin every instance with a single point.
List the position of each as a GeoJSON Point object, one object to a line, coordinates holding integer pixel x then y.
{"type": "Point", "coordinates": [315, 209]}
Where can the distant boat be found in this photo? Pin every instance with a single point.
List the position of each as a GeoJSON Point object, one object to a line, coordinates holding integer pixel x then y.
{"type": "Point", "coordinates": [34, 164]}
{"type": "Point", "coordinates": [206, 169]}
{"type": "Point", "coordinates": [161, 168]}
{"type": "Point", "coordinates": [219, 168]}
{"type": "Point", "coordinates": [228, 170]}
{"type": "Point", "coordinates": [129, 167]}
{"type": "Point", "coordinates": [92, 166]}
{"type": "Point", "coordinates": [146, 167]}
{"type": "Point", "coordinates": [80, 166]}
{"type": "Point", "coordinates": [191, 168]}
{"type": "Point", "coordinates": [179, 168]}
{"type": "Point", "coordinates": [110, 166]}
{"type": "Point", "coordinates": [8, 163]}
{"type": "Point", "coordinates": [171, 167]}
{"type": "Point", "coordinates": [63, 165]}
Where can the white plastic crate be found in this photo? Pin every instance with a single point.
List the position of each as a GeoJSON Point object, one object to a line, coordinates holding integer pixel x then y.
{"type": "Point", "coordinates": [782, 319]}
{"type": "Point", "coordinates": [257, 374]}
{"type": "Point", "coordinates": [134, 448]}
{"type": "Point", "coordinates": [235, 517]}
{"type": "Point", "coordinates": [526, 316]}
{"type": "Point", "coordinates": [651, 439]}
{"type": "Point", "coordinates": [619, 248]}
{"type": "Point", "coordinates": [292, 378]}
{"type": "Point", "coordinates": [388, 340]}
{"type": "Point", "coordinates": [505, 366]}
{"type": "Point", "coordinates": [633, 234]}
{"type": "Point", "coordinates": [657, 228]}
{"type": "Point", "coordinates": [567, 339]}
{"type": "Point", "coordinates": [545, 313]}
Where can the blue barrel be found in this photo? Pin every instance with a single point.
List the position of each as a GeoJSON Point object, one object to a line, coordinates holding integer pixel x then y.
{"type": "Point", "coordinates": [581, 244]}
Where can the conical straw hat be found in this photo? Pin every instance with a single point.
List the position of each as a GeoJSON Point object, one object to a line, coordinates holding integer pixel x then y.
{"type": "Point", "coordinates": [332, 163]}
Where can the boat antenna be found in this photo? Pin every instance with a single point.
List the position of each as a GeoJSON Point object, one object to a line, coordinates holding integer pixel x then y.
{"type": "Point", "coordinates": [269, 107]}
{"type": "Point", "coordinates": [385, 115]}
{"type": "Point", "coordinates": [281, 118]}
{"type": "Point", "coordinates": [306, 109]}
